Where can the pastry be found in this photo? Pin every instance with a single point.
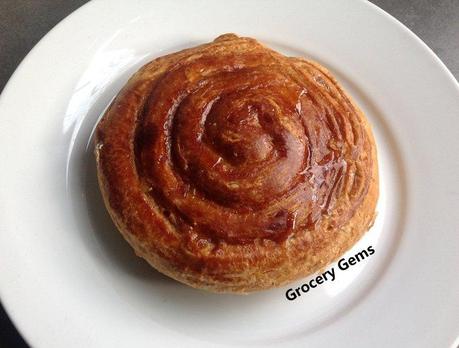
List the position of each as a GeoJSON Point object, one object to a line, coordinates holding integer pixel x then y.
{"type": "Point", "coordinates": [233, 168]}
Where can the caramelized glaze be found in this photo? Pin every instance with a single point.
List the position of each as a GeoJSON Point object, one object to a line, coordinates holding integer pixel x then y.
{"type": "Point", "coordinates": [228, 146]}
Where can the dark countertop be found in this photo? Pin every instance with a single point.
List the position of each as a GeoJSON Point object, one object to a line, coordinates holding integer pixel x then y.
{"type": "Point", "coordinates": [24, 22]}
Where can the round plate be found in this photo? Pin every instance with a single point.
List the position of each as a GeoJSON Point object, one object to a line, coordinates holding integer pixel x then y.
{"type": "Point", "coordinates": [68, 279]}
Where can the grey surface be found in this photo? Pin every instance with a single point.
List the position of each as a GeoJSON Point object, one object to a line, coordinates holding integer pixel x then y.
{"type": "Point", "coordinates": [436, 22]}
{"type": "Point", "coordinates": [23, 23]}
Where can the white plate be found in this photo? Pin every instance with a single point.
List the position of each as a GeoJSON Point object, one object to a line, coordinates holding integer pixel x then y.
{"type": "Point", "coordinates": [69, 280]}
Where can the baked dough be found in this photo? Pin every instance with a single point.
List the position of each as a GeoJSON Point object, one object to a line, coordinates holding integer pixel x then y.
{"type": "Point", "coordinates": [233, 168]}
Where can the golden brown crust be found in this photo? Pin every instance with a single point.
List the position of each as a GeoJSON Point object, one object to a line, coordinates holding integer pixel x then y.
{"type": "Point", "coordinates": [233, 168]}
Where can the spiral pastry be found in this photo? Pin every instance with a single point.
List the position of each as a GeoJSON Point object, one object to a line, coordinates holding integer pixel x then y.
{"type": "Point", "coordinates": [233, 168]}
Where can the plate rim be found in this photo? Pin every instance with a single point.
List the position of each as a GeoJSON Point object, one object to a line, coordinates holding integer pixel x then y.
{"type": "Point", "coordinates": [15, 319]}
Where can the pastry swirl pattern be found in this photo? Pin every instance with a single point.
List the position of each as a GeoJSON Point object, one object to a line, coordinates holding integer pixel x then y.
{"type": "Point", "coordinates": [231, 167]}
